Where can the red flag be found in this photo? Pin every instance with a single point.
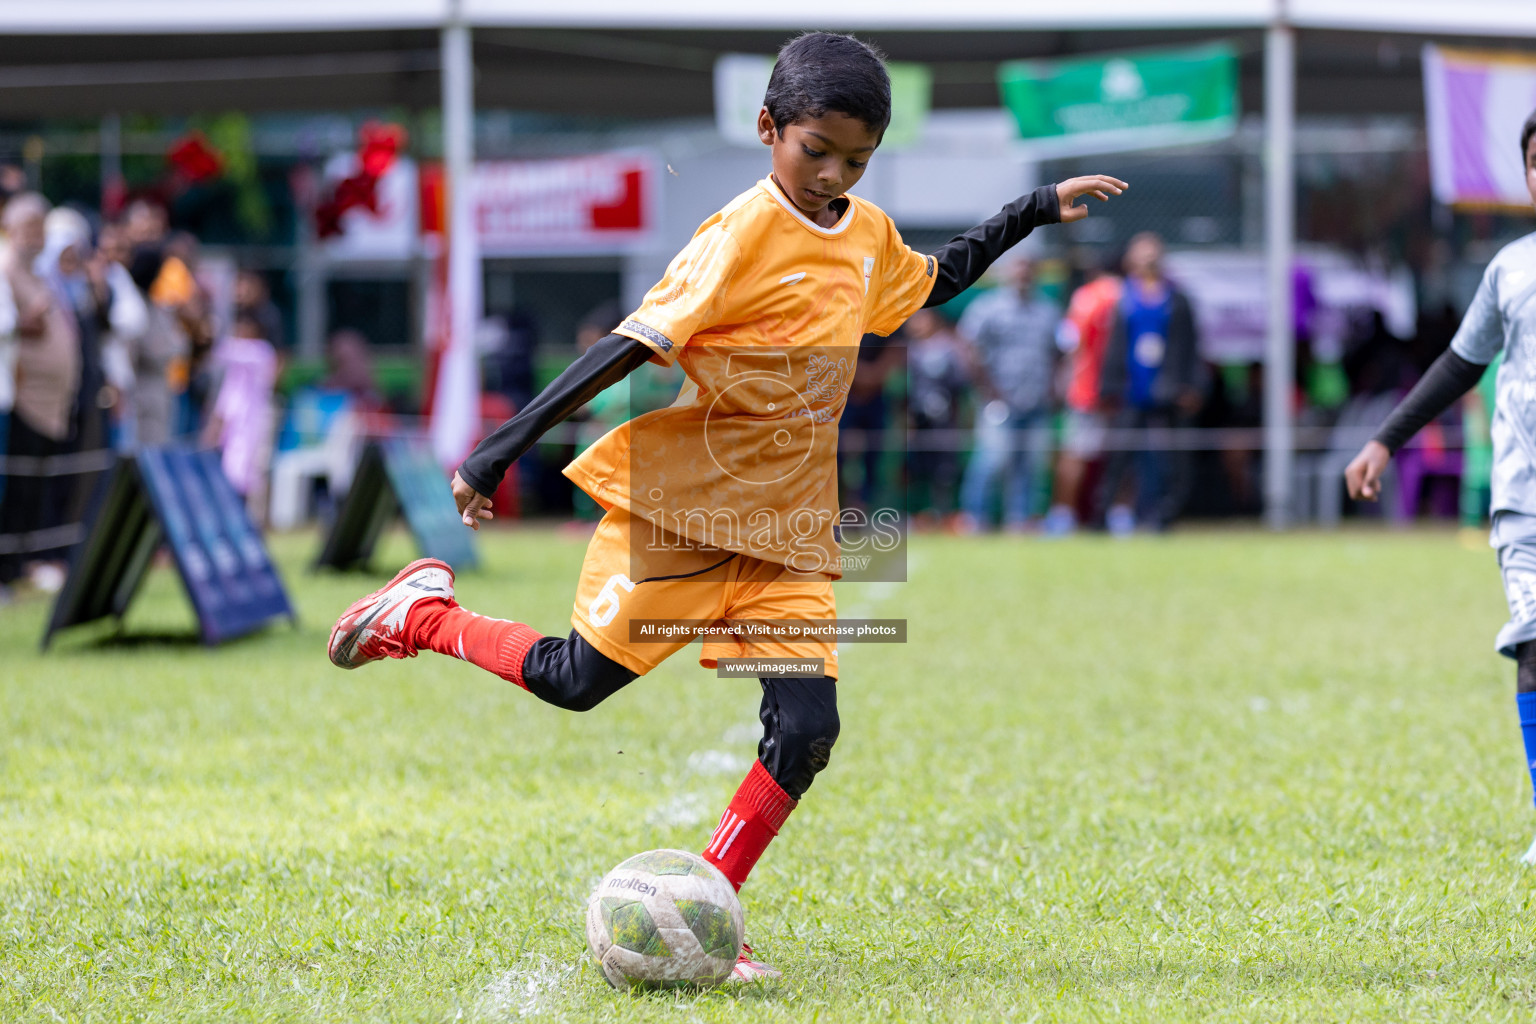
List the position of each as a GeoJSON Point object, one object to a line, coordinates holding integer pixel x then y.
{"type": "Point", "coordinates": [194, 158]}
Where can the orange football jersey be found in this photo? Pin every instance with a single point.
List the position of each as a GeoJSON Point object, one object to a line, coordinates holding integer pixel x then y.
{"type": "Point", "coordinates": [764, 310]}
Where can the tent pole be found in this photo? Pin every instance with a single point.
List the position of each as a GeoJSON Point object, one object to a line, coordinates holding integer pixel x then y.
{"type": "Point", "coordinates": [455, 405]}
{"type": "Point", "coordinates": [1279, 243]}
{"type": "Point", "coordinates": [309, 267]}
{"type": "Point", "coordinates": [111, 164]}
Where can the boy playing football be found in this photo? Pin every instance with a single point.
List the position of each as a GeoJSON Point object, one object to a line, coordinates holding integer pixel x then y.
{"type": "Point", "coordinates": [1501, 319]}
{"type": "Point", "coordinates": [722, 507]}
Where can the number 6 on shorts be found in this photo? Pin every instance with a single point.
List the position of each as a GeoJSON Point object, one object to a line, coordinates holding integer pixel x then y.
{"type": "Point", "coordinates": [606, 604]}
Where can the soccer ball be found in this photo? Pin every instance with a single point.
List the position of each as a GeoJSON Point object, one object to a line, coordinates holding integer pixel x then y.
{"type": "Point", "coordinates": [664, 919]}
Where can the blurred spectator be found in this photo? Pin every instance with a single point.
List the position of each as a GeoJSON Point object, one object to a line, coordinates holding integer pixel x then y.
{"type": "Point", "coordinates": [169, 388]}
{"type": "Point", "coordinates": [1236, 400]}
{"type": "Point", "coordinates": [936, 385]}
{"type": "Point", "coordinates": [1151, 377]}
{"type": "Point", "coordinates": [349, 368]}
{"type": "Point", "coordinates": [509, 369]}
{"type": "Point", "coordinates": [245, 365]}
{"type": "Point", "coordinates": [47, 375]}
{"type": "Point", "coordinates": [160, 348]}
{"type": "Point", "coordinates": [1477, 466]}
{"type": "Point", "coordinates": [1011, 344]}
{"type": "Point", "coordinates": [67, 263]}
{"type": "Point", "coordinates": [867, 414]}
{"type": "Point", "coordinates": [1376, 361]}
{"type": "Point", "coordinates": [1084, 335]}
{"type": "Point", "coordinates": [607, 409]}
{"type": "Point", "coordinates": [127, 322]}
{"type": "Point", "coordinates": [144, 223]}
{"type": "Point", "coordinates": [69, 266]}
{"type": "Point", "coordinates": [13, 180]}
{"type": "Point", "coordinates": [323, 431]}
{"type": "Point", "coordinates": [254, 299]}
{"type": "Point", "coordinates": [611, 406]}
{"type": "Point", "coordinates": [194, 312]}
{"type": "Point", "coordinates": [8, 341]}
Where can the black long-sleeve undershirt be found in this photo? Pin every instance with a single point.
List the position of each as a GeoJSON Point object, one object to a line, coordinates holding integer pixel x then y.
{"type": "Point", "coordinates": [957, 265]}
{"type": "Point", "coordinates": [1446, 380]}
{"type": "Point", "coordinates": [607, 362]}
{"type": "Point", "coordinates": [963, 259]}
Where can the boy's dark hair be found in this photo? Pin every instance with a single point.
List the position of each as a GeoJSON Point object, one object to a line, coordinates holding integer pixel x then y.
{"type": "Point", "coordinates": [821, 72]}
{"type": "Point", "coordinates": [1525, 136]}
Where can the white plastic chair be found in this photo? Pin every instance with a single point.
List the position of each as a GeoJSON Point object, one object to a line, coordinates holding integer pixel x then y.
{"type": "Point", "coordinates": [294, 472]}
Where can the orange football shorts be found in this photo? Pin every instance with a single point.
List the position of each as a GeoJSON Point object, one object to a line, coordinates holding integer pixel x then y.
{"type": "Point", "coordinates": [642, 589]}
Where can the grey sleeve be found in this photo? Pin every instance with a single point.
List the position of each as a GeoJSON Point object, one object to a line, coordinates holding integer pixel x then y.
{"type": "Point", "coordinates": [1481, 335]}
{"type": "Point", "coordinates": [1446, 380]}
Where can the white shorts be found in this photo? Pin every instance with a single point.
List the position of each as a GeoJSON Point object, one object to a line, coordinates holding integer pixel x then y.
{"type": "Point", "coordinates": [1514, 537]}
{"type": "Point", "coordinates": [1084, 434]}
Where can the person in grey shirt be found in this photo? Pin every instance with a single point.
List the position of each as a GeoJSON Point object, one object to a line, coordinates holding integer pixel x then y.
{"type": "Point", "coordinates": [1502, 318]}
{"type": "Point", "coordinates": [1010, 335]}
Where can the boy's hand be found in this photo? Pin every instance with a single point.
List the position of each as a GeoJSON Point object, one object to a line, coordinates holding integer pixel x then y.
{"type": "Point", "coordinates": [1363, 475]}
{"type": "Point", "coordinates": [473, 506]}
{"type": "Point", "coordinates": [1100, 185]}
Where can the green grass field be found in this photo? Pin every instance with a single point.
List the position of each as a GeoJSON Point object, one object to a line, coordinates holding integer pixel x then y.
{"type": "Point", "coordinates": [1214, 776]}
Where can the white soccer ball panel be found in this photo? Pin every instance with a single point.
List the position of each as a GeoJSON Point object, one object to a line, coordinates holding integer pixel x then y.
{"type": "Point", "coordinates": [637, 969]}
{"type": "Point", "coordinates": [664, 918]}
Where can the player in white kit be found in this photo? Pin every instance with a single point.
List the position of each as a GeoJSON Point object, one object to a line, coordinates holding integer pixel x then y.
{"type": "Point", "coordinates": [1502, 318]}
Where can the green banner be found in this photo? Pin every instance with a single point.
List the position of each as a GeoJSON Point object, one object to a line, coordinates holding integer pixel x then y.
{"type": "Point", "coordinates": [911, 97]}
{"type": "Point", "coordinates": [1130, 101]}
{"type": "Point", "coordinates": [742, 78]}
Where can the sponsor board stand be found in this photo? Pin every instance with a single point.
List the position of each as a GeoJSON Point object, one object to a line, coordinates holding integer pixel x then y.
{"type": "Point", "coordinates": [397, 476]}
{"type": "Point", "coordinates": [180, 498]}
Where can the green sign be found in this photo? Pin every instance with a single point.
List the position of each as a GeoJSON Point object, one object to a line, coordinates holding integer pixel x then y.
{"type": "Point", "coordinates": [911, 96]}
{"type": "Point", "coordinates": [742, 78]}
{"type": "Point", "coordinates": [1132, 101]}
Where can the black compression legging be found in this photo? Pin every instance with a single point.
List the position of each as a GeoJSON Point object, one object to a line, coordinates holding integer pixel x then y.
{"type": "Point", "coordinates": [799, 716]}
{"type": "Point", "coordinates": [570, 673]}
{"type": "Point", "coordinates": [800, 725]}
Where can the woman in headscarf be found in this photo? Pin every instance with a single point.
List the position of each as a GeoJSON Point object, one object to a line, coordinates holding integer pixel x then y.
{"type": "Point", "coordinates": [79, 284]}
{"type": "Point", "coordinates": [42, 422]}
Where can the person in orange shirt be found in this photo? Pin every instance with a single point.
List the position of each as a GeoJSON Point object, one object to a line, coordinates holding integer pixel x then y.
{"type": "Point", "coordinates": [1084, 334]}
{"type": "Point", "coordinates": [722, 508]}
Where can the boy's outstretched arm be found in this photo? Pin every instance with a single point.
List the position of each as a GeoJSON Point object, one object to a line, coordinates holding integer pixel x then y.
{"type": "Point", "coordinates": [1447, 379]}
{"type": "Point", "coordinates": [607, 362]}
{"type": "Point", "coordinates": [965, 258]}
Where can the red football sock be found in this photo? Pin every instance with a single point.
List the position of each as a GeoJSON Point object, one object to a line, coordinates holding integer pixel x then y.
{"type": "Point", "coordinates": [496, 645]}
{"type": "Point", "coordinates": [756, 814]}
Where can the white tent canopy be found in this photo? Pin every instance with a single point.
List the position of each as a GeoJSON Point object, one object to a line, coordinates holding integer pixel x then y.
{"type": "Point", "coordinates": [95, 17]}
{"type": "Point", "coordinates": [67, 30]}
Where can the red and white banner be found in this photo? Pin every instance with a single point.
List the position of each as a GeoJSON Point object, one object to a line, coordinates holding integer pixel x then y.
{"type": "Point", "coordinates": [386, 233]}
{"type": "Point", "coordinates": [603, 203]}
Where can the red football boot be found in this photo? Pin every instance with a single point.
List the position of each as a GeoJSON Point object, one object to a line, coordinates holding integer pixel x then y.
{"type": "Point", "coordinates": [374, 627]}
{"type": "Point", "coordinates": [748, 969]}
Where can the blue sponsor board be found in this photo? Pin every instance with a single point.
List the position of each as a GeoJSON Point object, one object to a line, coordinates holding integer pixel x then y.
{"type": "Point", "coordinates": [181, 498]}
{"type": "Point", "coordinates": [398, 476]}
